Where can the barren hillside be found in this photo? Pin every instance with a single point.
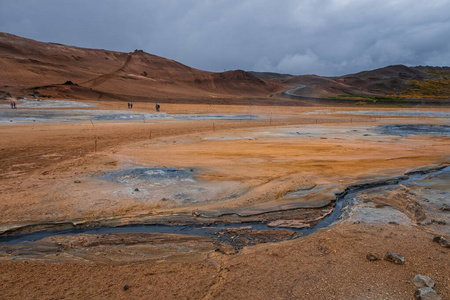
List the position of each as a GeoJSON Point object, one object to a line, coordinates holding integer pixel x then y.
{"type": "Point", "coordinates": [29, 67]}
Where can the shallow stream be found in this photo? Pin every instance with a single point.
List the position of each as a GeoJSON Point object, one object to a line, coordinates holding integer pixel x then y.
{"type": "Point", "coordinates": [420, 178]}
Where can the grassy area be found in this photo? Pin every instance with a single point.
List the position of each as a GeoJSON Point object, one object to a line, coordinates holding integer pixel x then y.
{"type": "Point", "coordinates": [439, 88]}
{"type": "Point", "coordinates": [367, 98]}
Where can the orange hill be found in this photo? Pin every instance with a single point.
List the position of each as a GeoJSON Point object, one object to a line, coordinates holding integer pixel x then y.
{"type": "Point", "coordinates": [28, 67]}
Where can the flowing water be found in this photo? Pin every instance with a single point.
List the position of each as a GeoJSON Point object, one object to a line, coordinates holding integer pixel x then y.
{"type": "Point", "coordinates": [439, 177]}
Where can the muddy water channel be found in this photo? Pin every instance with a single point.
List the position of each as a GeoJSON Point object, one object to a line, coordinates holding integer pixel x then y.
{"type": "Point", "coordinates": [235, 229]}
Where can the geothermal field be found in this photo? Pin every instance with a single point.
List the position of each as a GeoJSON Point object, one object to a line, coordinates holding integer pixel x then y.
{"type": "Point", "coordinates": [241, 186]}
{"type": "Point", "coordinates": [222, 201]}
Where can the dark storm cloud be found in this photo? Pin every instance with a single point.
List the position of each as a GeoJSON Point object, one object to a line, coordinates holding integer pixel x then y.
{"type": "Point", "coordinates": [326, 37]}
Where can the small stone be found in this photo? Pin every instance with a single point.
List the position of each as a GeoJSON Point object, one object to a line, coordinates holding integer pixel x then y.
{"type": "Point", "coordinates": [441, 241]}
{"type": "Point", "coordinates": [445, 207]}
{"type": "Point", "coordinates": [423, 281]}
{"type": "Point", "coordinates": [77, 181]}
{"type": "Point", "coordinates": [126, 287]}
{"type": "Point", "coordinates": [444, 243]}
{"type": "Point", "coordinates": [437, 238]}
{"type": "Point", "coordinates": [136, 190]}
{"type": "Point", "coordinates": [372, 257]}
{"type": "Point", "coordinates": [427, 293]}
{"type": "Point", "coordinates": [438, 221]}
{"type": "Point", "coordinates": [394, 258]}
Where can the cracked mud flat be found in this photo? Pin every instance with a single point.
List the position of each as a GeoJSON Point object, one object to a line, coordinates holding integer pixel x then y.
{"type": "Point", "coordinates": [276, 168]}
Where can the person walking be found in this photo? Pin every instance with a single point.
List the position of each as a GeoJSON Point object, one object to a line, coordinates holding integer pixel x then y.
{"type": "Point", "coordinates": [157, 107]}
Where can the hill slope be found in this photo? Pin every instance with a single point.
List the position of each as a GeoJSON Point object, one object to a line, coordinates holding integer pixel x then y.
{"type": "Point", "coordinates": [397, 80]}
{"type": "Point", "coordinates": [28, 67]}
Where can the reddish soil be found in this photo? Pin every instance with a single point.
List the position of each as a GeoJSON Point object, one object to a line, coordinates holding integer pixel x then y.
{"type": "Point", "coordinates": [41, 162]}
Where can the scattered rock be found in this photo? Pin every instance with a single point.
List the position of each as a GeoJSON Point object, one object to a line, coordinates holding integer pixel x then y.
{"type": "Point", "coordinates": [394, 258]}
{"type": "Point", "coordinates": [289, 224]}
{"type": "Point", "coordinates": [77, 181]}
{"type": "Point", "coordinates": [445, 207]}
{"type": "Point", "coordinates": [372, 257]}
{"type": "Point", "coordinates": [136, 190]}
{"type": "Point", "coordinates": [238, 229]}
{"type": "Point", "coordinates": [126, 287]}
{"type": "Point", "coordinates": [439, 221]}
{"type": "Point", "coordinates": [423, 281]}
{"type": "Point", "coordinates": [427, 293]}
{"type": "Point", "coordinates": [441, 241]}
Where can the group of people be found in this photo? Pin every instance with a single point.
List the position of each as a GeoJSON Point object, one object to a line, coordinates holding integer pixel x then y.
{"type": "Point", "coordinates": [130, 105]}
{"type": "Point", "coordinates": [13, 105]}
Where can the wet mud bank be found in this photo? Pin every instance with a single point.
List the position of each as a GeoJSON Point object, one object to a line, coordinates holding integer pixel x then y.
{"type": "Point", "coordinates": [414, 129]}
{"type": "Point", "coordinates": [230, 229]}
{"type": "Point", "coordinates": [45, 115]}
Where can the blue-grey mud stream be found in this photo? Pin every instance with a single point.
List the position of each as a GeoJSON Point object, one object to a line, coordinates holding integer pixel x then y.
{"type": "Point", "coordinates": [237, 231]}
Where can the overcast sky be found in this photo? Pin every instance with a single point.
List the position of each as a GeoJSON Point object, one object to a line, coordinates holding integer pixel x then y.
{"type": "Point", "coordinates": [324, 37]}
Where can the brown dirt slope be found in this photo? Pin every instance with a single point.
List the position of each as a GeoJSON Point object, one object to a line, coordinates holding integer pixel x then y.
{"type": "Point", "coordinates": [28, 67]}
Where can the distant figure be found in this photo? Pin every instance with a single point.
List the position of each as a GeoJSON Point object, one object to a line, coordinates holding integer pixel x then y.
{"type": "Point", "coordinates": [131, 105]}
{"type": "Point", "coordinates": [157, 107]}
{"type": "Point", "coordinates": [12, 105]}
{"type": "Point", "coordinates": [34, 95]}
{"type": "Point", "coordinates": [128, 104]}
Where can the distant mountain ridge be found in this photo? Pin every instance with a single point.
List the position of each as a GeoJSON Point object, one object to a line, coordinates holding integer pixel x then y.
{"type": "Point", "coordinates": [397, 80]}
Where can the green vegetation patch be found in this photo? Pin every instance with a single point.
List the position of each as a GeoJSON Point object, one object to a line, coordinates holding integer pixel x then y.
{"type": "Point", "coordinates": [367, 98]}
{"type": "Point", "coordinates": [439, 88]}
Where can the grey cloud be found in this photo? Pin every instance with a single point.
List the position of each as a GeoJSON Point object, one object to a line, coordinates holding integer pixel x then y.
{"type": "Point", "coordinates": [327, 37]}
